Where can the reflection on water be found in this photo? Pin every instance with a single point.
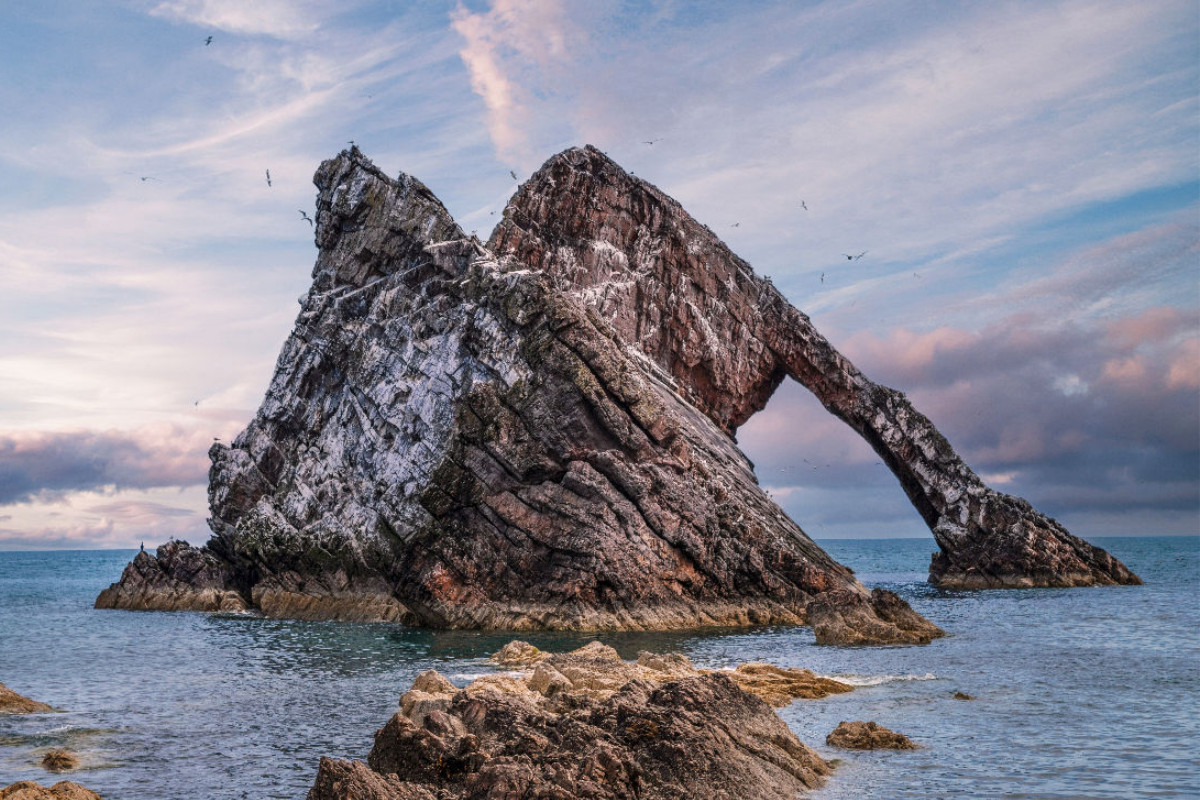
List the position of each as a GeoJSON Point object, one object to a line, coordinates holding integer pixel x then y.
{"type": "Point", "coordinates": [1079, 693]}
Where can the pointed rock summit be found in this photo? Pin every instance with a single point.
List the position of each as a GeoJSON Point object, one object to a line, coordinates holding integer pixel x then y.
{"type": "Point", "coordinates": [538, 434]}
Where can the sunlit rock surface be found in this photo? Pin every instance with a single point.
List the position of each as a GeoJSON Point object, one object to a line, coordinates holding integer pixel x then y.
{"type": "Point", "coordinates": [581, 724]}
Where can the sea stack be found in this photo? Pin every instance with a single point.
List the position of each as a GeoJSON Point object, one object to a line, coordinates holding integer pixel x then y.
{"type": "Point", "coordinates": [470, 436]}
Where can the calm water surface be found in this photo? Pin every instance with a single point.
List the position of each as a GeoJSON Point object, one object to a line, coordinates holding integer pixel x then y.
{"type": "Point", "coordinates": [1080, 693]}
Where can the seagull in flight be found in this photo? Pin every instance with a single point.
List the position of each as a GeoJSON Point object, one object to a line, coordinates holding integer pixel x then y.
{"type": "Point", "coordinates": [208, 41]}
{"type": "Point", "coordinates": [305, 217]}
{"type": "Point", "coordinates": [854, 258]}
{"type": "Point", "coordinates": [148, 178]}
{"type": "Point", "coordinates": [736, 225]}
{"type": "Point", "coordinates": [804, 205]}
{"type": "Point", "coordinates": [513, 173]}
{"type": "Point", "coordinates": [652, 141]}
{"type": "Point", "coordinates": [268, 178]}
{"type": "Point", "coordinates": [822, 277]}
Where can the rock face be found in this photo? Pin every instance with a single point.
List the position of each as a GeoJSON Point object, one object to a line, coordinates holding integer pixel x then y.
{"type": "Point", "coordinates": [672, 290]}
{"type": "Point", "coordinates": [868, 736]}
{"type": "Point", "coordinates": [592, 735]}
{"type": "Point", "coordinates": [451, 440]}
{"type": "Point", "coordinates": [13, 703]}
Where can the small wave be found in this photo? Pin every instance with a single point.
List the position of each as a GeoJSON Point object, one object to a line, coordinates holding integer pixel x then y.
{"type": "Point", "coordinates": [876, 680]}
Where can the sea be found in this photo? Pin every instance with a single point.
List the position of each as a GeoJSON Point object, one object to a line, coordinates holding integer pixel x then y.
{"type": "Point", "coordinates": [1078, 693]}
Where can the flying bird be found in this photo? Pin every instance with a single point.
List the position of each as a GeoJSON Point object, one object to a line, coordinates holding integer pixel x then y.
{"type": "Point", "coordinates": [854, 258]}
{"type": "Point", "coordinates": [652, 141]}
{"type": "Point", "coordinates": [305, 217]}
{"type": "Point", "coordinates": [804, 205]}
{"type": "Point", "coordinates": [268, 178]}
{"type": "Point", "coordinates": [513, 173]}
{"type": "Point", "coordinates": [148, 178]}
{"type": "Point", "coordinates": [822, 277]}
{"type": "Point", "coordinates": [208, 41]}
{"type": "Point", "coordinates": [736, 225]}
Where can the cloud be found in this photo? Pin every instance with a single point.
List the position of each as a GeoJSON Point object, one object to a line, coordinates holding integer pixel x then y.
{"type": "Point", "coordinates": [110, 518]}
{"type": "Point", "coordinates": [42, 465]}
{"type": "Point", "coordinates": [520, 55]}
{"type": "Point", "coordinates": [284, 19]}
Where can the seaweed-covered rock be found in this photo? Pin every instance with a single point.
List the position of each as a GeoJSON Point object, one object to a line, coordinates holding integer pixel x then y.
{"type": "Point", "coordinates": [59, 760]}
{"type": "Point", "coordinates": [452, 440]}
{"type": "Point", "coordinates": [63, 790]}
{"type": "Point", "coordinates": [13, 703]}
{"type": "Point", "coordinates": [868, 736]}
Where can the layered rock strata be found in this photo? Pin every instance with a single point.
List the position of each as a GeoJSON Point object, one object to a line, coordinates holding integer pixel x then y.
{"type": "Point", "coordinates": [451, 440]}
{"type": "Point", "coordinates": [586, 731]}
{"type": "Point", "coordinates": [670, 289]}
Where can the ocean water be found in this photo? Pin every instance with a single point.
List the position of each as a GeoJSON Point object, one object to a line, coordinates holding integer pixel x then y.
{"type": "Point", "coordinates": [1080, 693]}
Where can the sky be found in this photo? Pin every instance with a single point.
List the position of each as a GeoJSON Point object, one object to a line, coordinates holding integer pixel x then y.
{"type": "Point", "coordinates": [1022, 178]}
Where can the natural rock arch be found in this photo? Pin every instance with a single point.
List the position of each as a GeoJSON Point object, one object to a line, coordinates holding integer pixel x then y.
{"type": "Point", "coordinates": [675, 293]}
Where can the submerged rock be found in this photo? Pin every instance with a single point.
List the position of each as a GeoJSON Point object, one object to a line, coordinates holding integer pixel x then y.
{"type": "Point", "coordinates": [868, 736]}
{"type": "Point", "coordinates": [452, 440]}
{"type": "Point", "coordinates": [584, 728]}
{"type": "Point", "coordinates": [673, 292]}
{"type": "Point", "coordinates": [59, 760]}
{"type": "Point", "coordinates": [63, 790]}
{"type": "Point", "coordinates": [13, 703]}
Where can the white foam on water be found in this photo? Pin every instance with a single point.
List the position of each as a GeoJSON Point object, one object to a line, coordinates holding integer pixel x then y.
{"type": "Point", "coordinates": [877, 680]}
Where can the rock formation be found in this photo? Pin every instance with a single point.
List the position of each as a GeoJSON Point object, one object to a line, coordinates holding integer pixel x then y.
{"type": "Point", "coordinates": [579, 727]}
{"type": "Point", "coordinates": [450, 440]}
{"type": "Point", "coordinates": [540, 435]}
{"type": "Point", "coordinates": [63, 790]}
{"type": "Point", "coordinates": [13, 703]}
{"type": "Point", "coordinates": [59, 760]}
{"type": "Point", "coordinates": [673, 291]}
{"type": "Point", "coordinates": [779, 686]}
{"type": "Point", "coordinates": [868, 736]}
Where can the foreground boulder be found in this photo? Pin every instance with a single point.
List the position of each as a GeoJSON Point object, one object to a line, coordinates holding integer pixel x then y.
{"type": "Point", "coordinates": [63, 790]}
{"type": "Point", "coordinates": [868, 736]}
{"type": "Point", "coordinates": [580, 733]}
{"type": "Point", "coordinates": [452, 440]}
{"type": "Point", "coordinates": [13, 703]}
{"type": "Point", "coordinates": [674, 292]}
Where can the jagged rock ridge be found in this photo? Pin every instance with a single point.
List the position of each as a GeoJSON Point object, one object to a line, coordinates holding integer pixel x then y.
{"type": "Point", "coordinates": [451, 441]}
{"type": "Point", "coordinates": [670, 288]}
{"type": "Point", "coordinates": [582, 725]}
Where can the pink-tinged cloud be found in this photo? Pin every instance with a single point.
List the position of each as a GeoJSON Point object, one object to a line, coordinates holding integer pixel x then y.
{"type": "Point", "coordinates": [34, 463]}
{"type": "Point", "coordinates": [516, 54]}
